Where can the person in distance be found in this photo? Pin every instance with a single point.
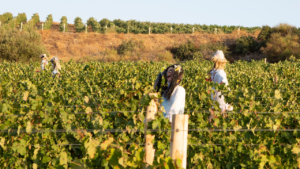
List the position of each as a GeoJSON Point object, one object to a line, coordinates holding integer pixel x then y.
{"type": "Point", "coordinates": [44, 62]}
{"type": "Point", "coordinates": [218, 75]}
{"type": "Point", "coordinates": [55, 66]}
{"type": "Point", "coordinates": [168, 80]}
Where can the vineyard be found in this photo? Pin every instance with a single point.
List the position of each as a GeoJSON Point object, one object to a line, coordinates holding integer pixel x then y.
{"type": "Point", "coordinates": [117, 25]}
{"type": "Point", "coordinates": [93, 116]}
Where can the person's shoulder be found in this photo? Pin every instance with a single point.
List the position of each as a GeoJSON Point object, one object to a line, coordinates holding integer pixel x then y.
{"type": "Point", "coordinates": [221, 72]}
{"type": "Point", "coordinates": [180, 89]}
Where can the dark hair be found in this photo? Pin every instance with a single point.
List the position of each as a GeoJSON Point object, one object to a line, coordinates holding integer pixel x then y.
{"type": "Point", "coordinates": [166, 90]}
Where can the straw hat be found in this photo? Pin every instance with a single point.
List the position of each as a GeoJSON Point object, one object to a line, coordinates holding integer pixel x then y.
{"type": "Point", "coordinates": [54, 59]}
{"type": "Point", "coordinates": [218, 57]}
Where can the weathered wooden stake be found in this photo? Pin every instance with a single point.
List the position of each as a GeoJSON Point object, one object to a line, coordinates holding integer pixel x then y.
{"type": "Point", "coordinates": [216, 30]}
{"type": "Point", "coordinates": [275, 79]}
{"type": "Point", "coordinates": [179, 134]}
{"type": "Point", "coordinates": [150, 116]}
{"type": "Point", "coordinates": [265, 60]}
{"type": "Point", "coordinates": [42, 26]}
{"type": "Point", "coordinates": [149, 30]}
{"type": "Point", "coordinates": [171, 29]}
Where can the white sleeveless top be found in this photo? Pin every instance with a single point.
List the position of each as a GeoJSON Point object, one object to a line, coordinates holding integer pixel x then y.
{"type": "Point", "coordinates": [175, 105]}
{"type": "Point", "coordinates": [219, 76]}
{"type": "Point", "coordinates": [43, 64]}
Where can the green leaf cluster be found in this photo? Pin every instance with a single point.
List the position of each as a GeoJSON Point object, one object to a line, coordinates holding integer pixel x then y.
{"type": "Point", "coordinates": [48, 22]}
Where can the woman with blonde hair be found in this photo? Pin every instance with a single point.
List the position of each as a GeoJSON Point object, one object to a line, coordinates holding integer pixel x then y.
{"type": "Point", "coordinates": [55, 66]}
{"type": "Point", "coordinates": [218, 75]}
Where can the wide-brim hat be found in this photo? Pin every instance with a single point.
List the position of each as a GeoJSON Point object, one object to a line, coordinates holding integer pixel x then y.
{"type": "Point", "coordinates": [218, 57]}
{"type": "Point", "coordinates": [54, 59]}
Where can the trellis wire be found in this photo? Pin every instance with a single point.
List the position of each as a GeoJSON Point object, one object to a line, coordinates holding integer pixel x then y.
{"type": "Point", "coordinates": [201, 112]}
{"type": "Point", "coordinates": [142, 130]}
{"type": "Point", "coordinates": [156, 144]}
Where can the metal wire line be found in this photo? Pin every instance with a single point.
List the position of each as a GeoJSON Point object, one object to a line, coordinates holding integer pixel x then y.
{"type": "Point", "coordinates": [79, 113]}
{"type": "Point", "coordinates": [201, 112]}
{"type": "Point", "coordinates": [142, 130]}
{"type": "Point", "coordinates": [36, 145]}
{"type": "Point", "coordinates": [44, 145]}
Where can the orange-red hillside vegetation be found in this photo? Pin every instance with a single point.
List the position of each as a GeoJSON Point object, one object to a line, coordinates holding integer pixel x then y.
{"type": "Point", "coordinates": [96, 46]}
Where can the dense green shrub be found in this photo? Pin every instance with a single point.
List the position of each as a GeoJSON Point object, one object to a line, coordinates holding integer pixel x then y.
{"type": "Point", "coordinates": [35, 18]}
{"type": "Point", "coordinates": [282, 43]}
{"type": "Point", "coordinates": [48, 22]}
{"type": "Point", "coordinates": [185, 51]}
{"type": "Point", "coordinates": [120, 23]}
{"type": "Point", "coordinates": [32, 22]}
{"type": "Point", "coordinates": [264, 35]}
{"type": "Point", "coordinates": [20, 18]}
{"type": "Point", "coordinates": [188, 50]}
{"type": "Point", "coordinates": [94, 24]}
{"type": "Point", "coordinates": [130, 46]}
{"type": "Point", "coordinates": [277, 43]}
{"type": "Point", "coordinates": [20, 46]}
{"type": "Point", "coordinates": [16, 22]}
{"type": "Point", "coordinates": [105, 22]}
{"type": "Point", "coordinates": [246, 45]}
{"type": "Point", "coordinates": [79, 26]}
{"type": "Point", "coordinates": [285, 29]}
{"type": "Point", "coordinates": [280, 47]}
{"type": "Point", "coordinates": [6, 17]}
{"type": "Point", "coordinates": [120, 30]}
{"type": "Point", "coordinates": [63, 21]}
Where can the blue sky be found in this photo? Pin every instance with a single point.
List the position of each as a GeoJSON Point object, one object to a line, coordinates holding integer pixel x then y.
{"type": "Point", "coordinates": [220, 12]}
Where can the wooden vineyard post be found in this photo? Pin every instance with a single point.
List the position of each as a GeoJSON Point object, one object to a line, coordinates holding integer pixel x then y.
{"type": "Point", "coordinates": [149, 30]}
{"type": "Point", "coordinates": [150, 116]}
{"type": "Point", "coordinates": [275, 79]}
{"type": "Point", "coordinates": [179, 134]}
{"type": "Point", "coordinates": [42, 26]}
{"type": "Point", "coordinates": [265, 60]}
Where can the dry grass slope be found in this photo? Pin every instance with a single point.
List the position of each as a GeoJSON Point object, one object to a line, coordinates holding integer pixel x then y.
{"type": "Point", "coordinates": [95, 46]}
